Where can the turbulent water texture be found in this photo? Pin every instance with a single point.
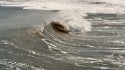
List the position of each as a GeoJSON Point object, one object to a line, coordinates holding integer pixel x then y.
{"type": "Point", "coordinates": [29, 42]}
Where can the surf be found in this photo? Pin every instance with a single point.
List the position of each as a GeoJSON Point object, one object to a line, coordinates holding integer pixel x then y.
{"type": "Point", "coordinates": [70, 13]}
{"type": "Point", "coordinates": [70, 21]}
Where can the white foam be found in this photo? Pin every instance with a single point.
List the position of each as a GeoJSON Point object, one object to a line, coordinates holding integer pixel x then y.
{"type": "Point", "coordinates": [16, 4]}
{"type": "Point", "coordinates": [73, 20]}
{"type": "Point", "coordinates": [68, 15]}
{"type": "Point", "coordinates": [115, 6]}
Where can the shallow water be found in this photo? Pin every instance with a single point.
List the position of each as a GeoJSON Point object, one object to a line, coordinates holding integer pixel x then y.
{"type": "Point", "coordinates": [24, 46]}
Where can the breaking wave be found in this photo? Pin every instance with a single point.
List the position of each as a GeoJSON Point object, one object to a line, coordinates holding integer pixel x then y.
{"type": "Point", "coordinates": [45, 48]}
{"type": "Point", "coordinates": [71, 12]}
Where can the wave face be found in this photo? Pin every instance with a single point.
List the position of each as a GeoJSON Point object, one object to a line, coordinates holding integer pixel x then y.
{"type": "Point", "coordinates": [73, 21]}
{"type": "Point", "coordinates": [71, 11]}
{"type": "Point", "coordinates": [30, 41]}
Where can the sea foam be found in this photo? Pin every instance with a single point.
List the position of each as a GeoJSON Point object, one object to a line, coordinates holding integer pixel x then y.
{"type": "Point", "coordinates": [71, 12]}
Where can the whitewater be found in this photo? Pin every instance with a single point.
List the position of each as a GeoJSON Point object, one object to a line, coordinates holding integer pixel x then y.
{"type": "Point", "coordinates": [62, 35]}
{"type": "Point", "coordinates": [71, 12]}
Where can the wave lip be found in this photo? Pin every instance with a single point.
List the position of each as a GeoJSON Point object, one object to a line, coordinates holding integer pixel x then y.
{"type": "Point", "coordinates": [71, 12]}
{"type": "Point", "coordinates": [73, 20]}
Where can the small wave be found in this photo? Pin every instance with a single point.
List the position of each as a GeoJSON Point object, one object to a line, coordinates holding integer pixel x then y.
{"type": "Point", "coordinates": [72, 21]}
{"type": "Point", "coordinates": [71, 12]}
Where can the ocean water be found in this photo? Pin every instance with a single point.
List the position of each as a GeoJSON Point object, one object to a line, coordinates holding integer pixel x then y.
{"type": "Point", "coordinates": [96, 40]}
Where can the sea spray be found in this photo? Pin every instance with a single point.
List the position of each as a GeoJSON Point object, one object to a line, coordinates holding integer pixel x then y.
{"type": "Point", "coordinates": [71, 11]}
{"type": "Point", "coordinates": [73, 20]}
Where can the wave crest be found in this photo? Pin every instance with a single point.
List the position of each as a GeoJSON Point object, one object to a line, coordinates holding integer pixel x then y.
{"type": "Point", "coordinates": [72, 21]}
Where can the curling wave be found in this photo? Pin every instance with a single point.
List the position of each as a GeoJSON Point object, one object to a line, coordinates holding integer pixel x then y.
{"type": "Point", "coordinates": [72, 12]}
{"type": "Point", "coordinates": [70, 21]}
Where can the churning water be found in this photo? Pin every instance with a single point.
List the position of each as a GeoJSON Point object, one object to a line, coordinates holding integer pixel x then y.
{"type": "Point", "coordinates": [96, 40]}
